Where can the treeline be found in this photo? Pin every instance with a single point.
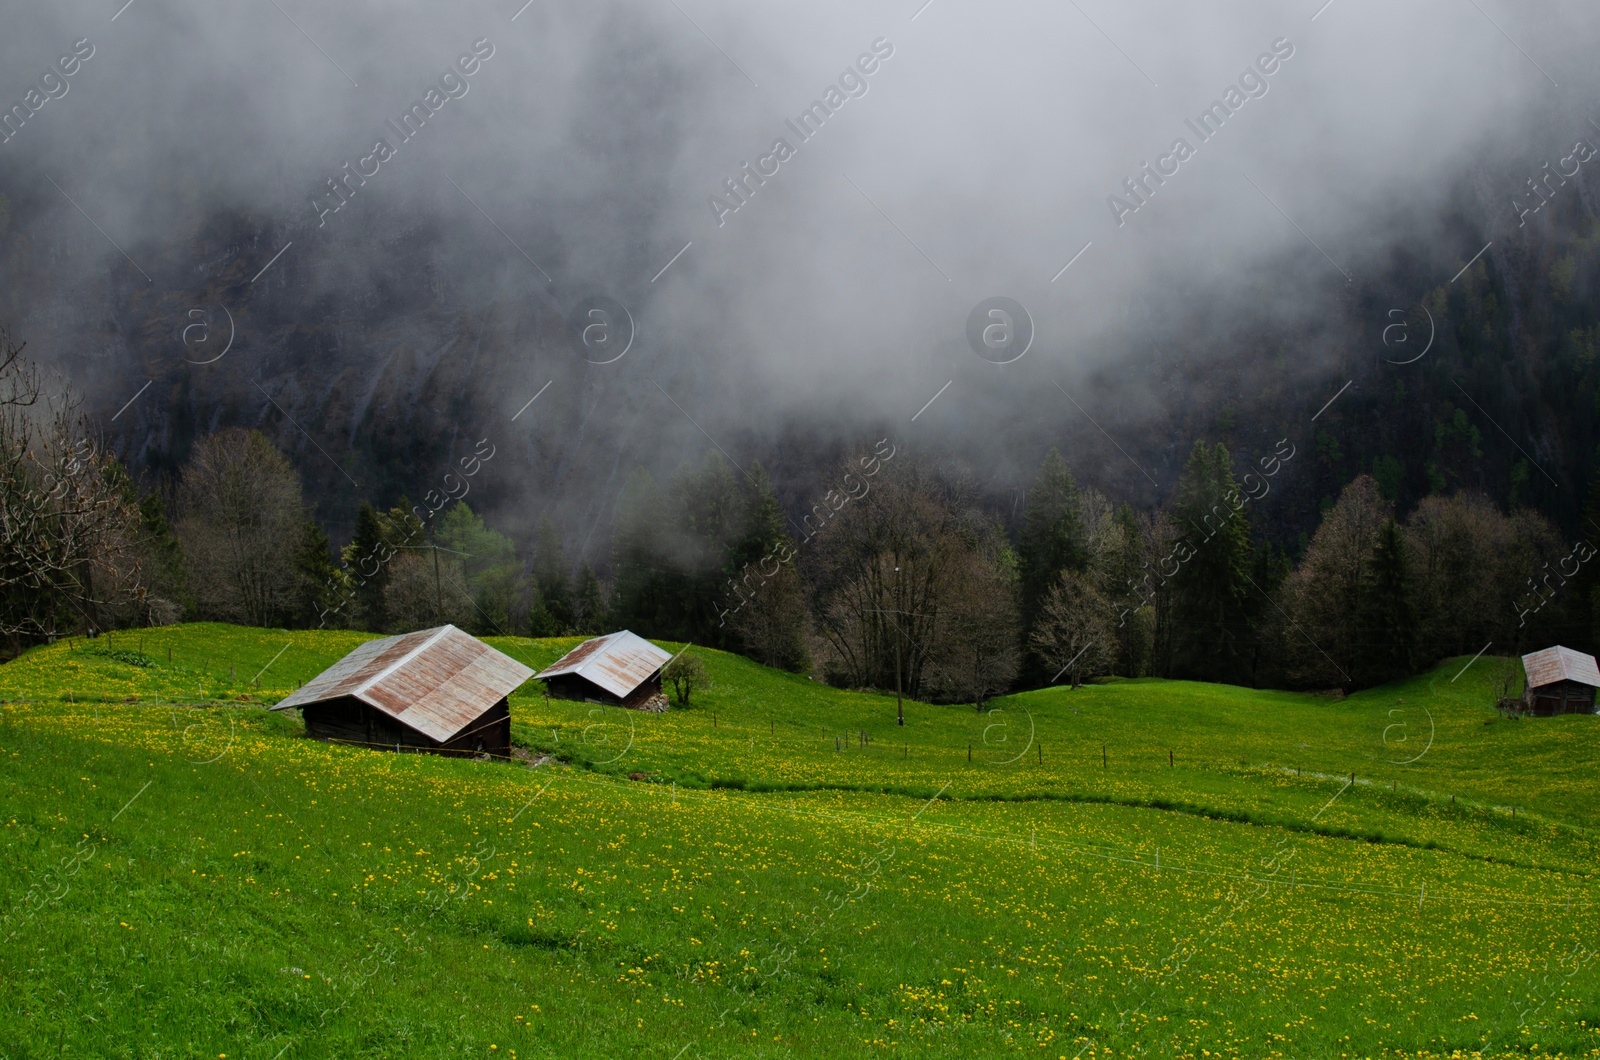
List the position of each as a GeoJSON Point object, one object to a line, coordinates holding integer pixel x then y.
{"type": "Point", "coordinates": [1376, 595]}
{"type": "Point", "coordinates": [905, 580]}
{"type": "Point", "coordinates": [84, 550]}
{"type": "Point", "coordinates": [79, 545]}
{"type": "Point", "coordinates": [253, 554]}
{"type": "Point", "coordinates": [898, 577]}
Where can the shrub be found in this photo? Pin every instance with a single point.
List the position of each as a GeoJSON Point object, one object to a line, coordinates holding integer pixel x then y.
{"type": "Point", "coordinates": [686, 673]}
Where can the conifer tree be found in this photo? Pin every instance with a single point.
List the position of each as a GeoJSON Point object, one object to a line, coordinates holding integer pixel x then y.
{"type": "Point", "coordinates": [1583, 604]}
{"type": "Point", "coordinates": [761, 522]}
{"type": "Point", "coordinates": [1125, 591]}
{"type": "Point", "coordinates": [541, 623]}
{"type": "Point", "coordinates": [1212, 584]}
{"type": "Point", "coordinates": [164, 562]}
{"type": "Point", "coordinates": [492, 575]}
{"type": "Point", "coordinates": [760, 601]}
{"type": "Point", "coordinates": [588, 603]}
{"type": "Point", "coordinates": [378, 539]}
{"type": "Point", "coordinates": [1051, 540]}
{"type": "Point", "coordinates": [551, 579]}
{"type": "Point", "coordinates": [640, 566]}
{"type": "Point", "coordinates": [1388, 622]}
{"type": "Point", "coordinates": [321, 584]}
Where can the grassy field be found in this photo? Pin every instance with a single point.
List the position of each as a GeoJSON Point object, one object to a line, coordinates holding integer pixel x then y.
{"type": "Point", "coordinates": [781, 871]}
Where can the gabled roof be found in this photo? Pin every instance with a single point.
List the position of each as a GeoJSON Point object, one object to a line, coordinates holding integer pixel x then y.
{"type": "Point", "coordinates": [617, 662]}
{"type": "Point", "coordinates": [1560, 664]}
{"type": "Point", "coordinates": [436, 681]}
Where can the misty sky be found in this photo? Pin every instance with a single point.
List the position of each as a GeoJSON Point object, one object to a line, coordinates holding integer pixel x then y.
{"type": "Point", "coordinates": [581, 156]}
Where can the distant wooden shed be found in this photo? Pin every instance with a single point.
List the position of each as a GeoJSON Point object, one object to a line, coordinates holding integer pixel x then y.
{"type": "Point", "coordinates": [1560, 681]}
{"type": "Point", "coordinates": [437, 690]}
{"type": "Point", "coordinates": [618, 669]}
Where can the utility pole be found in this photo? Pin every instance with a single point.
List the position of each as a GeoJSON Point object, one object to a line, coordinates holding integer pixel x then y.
{"type": "Point", "coordinates": [438, 589]}
{"type": "Point", "coordinates": [899, 698]}
{"type": "Point", "coordinates": [438, 593]}
{"type": "Point", "coordinates": [899, 637]}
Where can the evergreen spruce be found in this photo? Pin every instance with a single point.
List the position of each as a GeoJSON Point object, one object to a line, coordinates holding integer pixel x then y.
{"type": "Point", "coordinates": [167, 574]}
{"type": "Point", "coordinates": [321, 583]}
{"type": "Point", "coordinates": [551, 580]}
{"type": "Point", "coordinates": [588, 603]}
{"type": "Point", "coordinates": [1212, 586]}
{"type": "Point", "coordinates": [366, 561]}
{"type": "Point", "coordinates": [640, 566]}
{"type": "Point", "coordinates": [488, 561]}
{"type": "Point", "coordinates": [1388, 622]}
{"type": "Point", "coordinates": [1051, 541]}
{"type": "Point", "coordinates": [1123, 588]}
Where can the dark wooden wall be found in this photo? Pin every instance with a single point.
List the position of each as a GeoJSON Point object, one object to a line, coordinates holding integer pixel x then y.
{"type": "Point", "coordinates": [1561, 697]}
{"type": "Point", "coordinates": [573, 686]}
{"type": "Point", "coordinates": [637, 697]}
{"type": "Point", "coordinates": [490, 734]}
{"type": "Point", "coordinates": [351, 721]}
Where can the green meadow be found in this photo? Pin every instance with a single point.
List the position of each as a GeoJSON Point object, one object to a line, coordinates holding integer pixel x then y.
{"type": "Point", "coordinates": [1147, 867]}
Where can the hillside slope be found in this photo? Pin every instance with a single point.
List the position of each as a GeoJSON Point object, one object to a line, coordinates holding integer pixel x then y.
{"type": "Point", "coordinates": [202, 880]}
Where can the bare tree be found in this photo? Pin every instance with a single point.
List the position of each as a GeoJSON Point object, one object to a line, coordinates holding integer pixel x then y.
{"type": "Point", "coordinates": [1101, 534]}
{"type": "Point", "coordinates": [1533, 555]}
{"type": "Point", "coordinates": [978, 654]}
{"type": "Point", "coordinates": [1076, 629]}
{"type": "Point", "coordinates": [771, 625]}
{"type": "Point", "coordinates": [881, 575]}
{"type": "Point", "coordinates": [426, 590]}
{"type": "Point", "coordinates": [241, 513]}
{"type": "Point", "coordinates": [904, 582]}
{"type": "Point", "coordinates": [21, 378]}
{"type": "Point", "coordinates": [70, 552]}
{"type": "Point", "coordinates": [1118, 563]}
{"type": "Point", "coordinates": [1328, 588]}
{"type": "Point", "coordinates": [1475, 568]}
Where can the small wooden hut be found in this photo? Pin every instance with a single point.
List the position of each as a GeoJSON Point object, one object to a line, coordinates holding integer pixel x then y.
{"type": "Point", "coordinates": [437, 690]}
{"type": "Point", "coordinates": [1560, 681]}
{"type": "Point", "coordinates": [619, 669]}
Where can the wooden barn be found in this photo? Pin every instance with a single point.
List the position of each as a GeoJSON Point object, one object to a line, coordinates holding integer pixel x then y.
{"type": "Point", "coordinates": [437, 690]}
{"type": "Point", "coordinates": [618, 669]}
{"type": "Point", "coordinates": [1560, 681]}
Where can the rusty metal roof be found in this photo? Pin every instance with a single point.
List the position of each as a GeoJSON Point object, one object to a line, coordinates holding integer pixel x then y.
{"type": "Point", "coordinates": [1560, 664]}
{"type": "Point", "coordinates": [436, 681]}
{"type": "Point", "coordinates": [617, 662]}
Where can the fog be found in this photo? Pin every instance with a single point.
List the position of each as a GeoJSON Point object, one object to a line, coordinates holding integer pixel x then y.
{"type": "Point", "coordinates": [974, 154]}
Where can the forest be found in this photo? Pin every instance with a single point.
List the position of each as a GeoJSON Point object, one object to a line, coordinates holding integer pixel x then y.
{"type": "Point", "coordinates": [901, 578]}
